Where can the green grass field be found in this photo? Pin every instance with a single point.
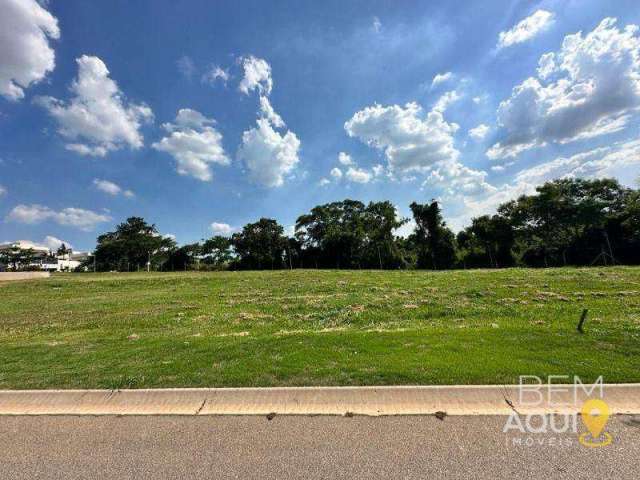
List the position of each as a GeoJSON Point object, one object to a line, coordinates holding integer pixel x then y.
{"type": "Point", "coordinates": [318, 328]}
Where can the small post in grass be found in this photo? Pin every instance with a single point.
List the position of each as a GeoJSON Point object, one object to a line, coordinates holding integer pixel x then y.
{"type": "Point", "coordinates": [583, 317]}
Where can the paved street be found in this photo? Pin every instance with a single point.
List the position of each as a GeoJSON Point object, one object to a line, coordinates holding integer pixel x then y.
{"type": "Point", "coordinates": [300, 447]}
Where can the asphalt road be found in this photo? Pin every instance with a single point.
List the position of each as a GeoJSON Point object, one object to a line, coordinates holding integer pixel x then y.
{"type": "Point", "coordinates": [302, 447]}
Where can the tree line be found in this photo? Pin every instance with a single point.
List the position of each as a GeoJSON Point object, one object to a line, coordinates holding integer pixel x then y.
{"type": "Point", "coordinates": [566, 222]}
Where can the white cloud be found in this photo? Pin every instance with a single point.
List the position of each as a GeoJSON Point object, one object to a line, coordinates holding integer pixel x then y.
{"type": "Point", "coordinates": [345, 159]}
{"type": "Point", "coordinates": [594, 88]}
{"type": "Point", "coordinates": [324, 182]}
{"type": "Point", "coordinates": [214, 74]}
{"type": "Point", "coordinates": [441, 78]}
{"type": "Point", "coordinates": [53, 243]}
{"type": "Point", "coordinates": [222, 229]}
{"type": "Point", "coordinates": [3, 191]}
{"type": "Point", "coordinates": [257, 75]}
{"type": "Point", "coordinates": [377, 170]}
{"type": "Point", "coordinates": [376, 25]}
{"type": "Point", "coordinates": [186, 66]}
{"type": "Point", "coordinates": [97, 118]}
{"type": "Point", "coordinates": [409, 141]}
{"type": "Point", "coordinates": [111, 188]}
{"type": "Point", "coordinates": [269, 113]}
{"type": "Point", "coordinates": [479, 132]}
{"type": "Point", "coordinates": [358, 175]}
{"type": "Point", "coordinates": [527, 29]}
{"type": "Point", "coordinates": [445, 100]}
{"type": "Point", "coordinates": [406, 229]}
{"type": "Point", "coordinates": [336, 173]}
{"type": "Point", "coordinates": [25, 54]}
{"type": "Point", "coordinates": [194, 143]}
{"type": "Point", "coordinates": [73, 217]}
{"type": "Point", "coordinates": [620, 160]}
{"type": "Point", "coordinates": [268, 155]}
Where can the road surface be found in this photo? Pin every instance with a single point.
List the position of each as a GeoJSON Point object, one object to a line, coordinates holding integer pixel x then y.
{"type": "Point", "coordinates": [244, 447]}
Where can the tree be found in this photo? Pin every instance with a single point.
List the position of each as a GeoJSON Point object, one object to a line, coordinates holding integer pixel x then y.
{"type": "Point", "coordinates": [333, 233]}
{"type": "Point", "coordinates": [348, 234]}
{"type": "Point", "coordinates": [16, 258]}
{"type": "Point", "coordinates": [434, 241]}
{"type": "Point", "coordinates": [260, 245]}
{"type": "Point", "coordinates": [565, 222]}
{"type": "Point", "coordinates": [487, 242]}
{"type": "Point", "coordinates": [132, 245]}
{"type": "Point", "coordinates": [183, 258]}
{"type": "Point", "coordinates": [217, 252]}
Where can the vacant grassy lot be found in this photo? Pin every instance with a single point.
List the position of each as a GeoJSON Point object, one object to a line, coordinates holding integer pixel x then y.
{"type": "Point", "coordinates": [318, 328]}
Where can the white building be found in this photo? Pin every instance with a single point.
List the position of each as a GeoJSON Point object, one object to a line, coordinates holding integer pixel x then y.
{"type": "Point", "coordinates": [38, 257]}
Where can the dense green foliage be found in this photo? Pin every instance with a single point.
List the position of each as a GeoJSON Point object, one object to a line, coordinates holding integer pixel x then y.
{"type": "Point", "coordinates": [349, 234]}
{"type": "Point", "coordinates": [318, 327]}
{"type": "Point", "coordinates": [134, 245]}
{"type": "Point", "coordinates": [567, 222]}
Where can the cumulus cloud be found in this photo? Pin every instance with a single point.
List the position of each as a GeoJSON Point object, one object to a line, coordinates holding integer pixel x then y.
{"type": "Point", "coordinates": [410, 140]}
{"type": "Point", "coordinates": [269, 113]}
{"type": "Point", "coordinates": [111, 188]}
{"type": "Point", "coordinates": [25, 54]}
{"type": "Point", "coordinates": [345, 159]}
{"type": "Point", "coordinates": [445, 100]}
{"type": "Point", "coordinates": [358, 175]}
{"type": "Point", "coordinates": [73, 217]}
{"type": "Point", "coordinates": [98, 118]}
{"type": "Point", "coordinates": [268, 154]}
{"type": "Point", "coordinates": [441, 78]}
{"type": "Point", "coordinates": [53, 243]}
{"type": "Point", "coordinates": [527, 29]}
{"type": "Point", "coordinates": [194, 143]}
{"type": "Point", "coordinates": [590, 87]}
{"type": "Point", "coordinates": [324, 182]}
{"type": "Point", "coordinates": [214, 74]}
{"type": "Point", "coordinates": [223, 229]}
{"type": "Point", "coordinates": [479, 132]}
{"type": "Point", "coordinates": [336, 173]}
{"type": "Point", "coordinates": [257, 76]}
{"type": "Point", "coordinates": [3, 191]}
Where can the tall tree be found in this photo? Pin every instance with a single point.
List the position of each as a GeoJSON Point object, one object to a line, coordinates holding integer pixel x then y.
{"type": "Point", "coordinates": [131, 245]}
{"type": "Point", "coordinates": [435, 242]}
{"type": "Point", "coordinates": [487, 242]}
{"type": "Point", "coordinates": [564, 222]}
{"type": "Point", "coordinates": [217, 252]}
{"type": "Point", "coordinates": [260, 245]}
{"type": "Point", "coordinates": [348, 234]}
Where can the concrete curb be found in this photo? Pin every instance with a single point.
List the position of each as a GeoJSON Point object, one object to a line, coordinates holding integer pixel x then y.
{"type": "Point", "coordinates": [395, 400]}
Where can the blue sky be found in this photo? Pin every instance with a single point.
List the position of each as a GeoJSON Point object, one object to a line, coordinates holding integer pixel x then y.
{"type": "Point", "coordinates": [194, 113]}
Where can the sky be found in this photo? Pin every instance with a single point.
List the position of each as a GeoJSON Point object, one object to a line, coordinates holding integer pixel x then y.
{"type": "Point", "coordinates": [203, 116]}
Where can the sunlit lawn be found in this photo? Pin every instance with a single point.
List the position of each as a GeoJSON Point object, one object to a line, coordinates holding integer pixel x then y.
{"type": "Point", "coordinates": [318, 328]}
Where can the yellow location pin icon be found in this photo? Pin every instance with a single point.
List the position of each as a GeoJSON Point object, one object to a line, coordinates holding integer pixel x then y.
{"type": "Point", "coordinates": [595, 414]}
